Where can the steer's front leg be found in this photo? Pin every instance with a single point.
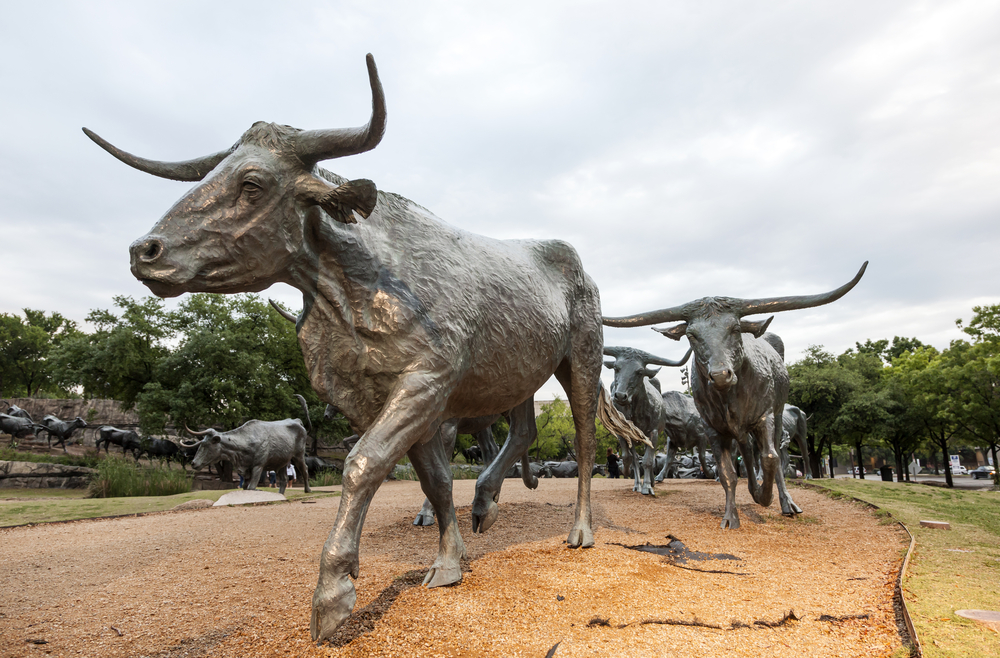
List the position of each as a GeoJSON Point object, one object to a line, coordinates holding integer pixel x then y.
{"type": "Point", "coordinates": [410, 415]}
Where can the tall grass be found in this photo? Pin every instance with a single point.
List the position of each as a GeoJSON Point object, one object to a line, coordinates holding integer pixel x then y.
{"type": "Point", "coordinates": [326, 478]}
{"type": "Point", "coordinates": [117, 478]}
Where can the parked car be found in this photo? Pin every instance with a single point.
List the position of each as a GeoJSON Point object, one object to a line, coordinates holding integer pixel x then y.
{"type": "Point", "coordinates": [959, 470]}
{"type": "Point", "coordinates": [983, 472]}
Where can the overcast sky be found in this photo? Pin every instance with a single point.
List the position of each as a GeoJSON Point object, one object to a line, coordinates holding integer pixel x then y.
{"type": "Point", "coordinates": [684, 148]}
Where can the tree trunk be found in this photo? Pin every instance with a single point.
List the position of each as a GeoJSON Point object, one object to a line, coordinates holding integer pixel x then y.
{"type": "Point", "coordinates": [898, 454]}
{"type": "Point", "coordinates": [830, 453]}
{"type": "Point", "coordinates": [861, 460]}
{"type": "Point", "coordinates": [814, 456]}
{"type": "Point", "coordinates": [996, 466]}
{"type": "Point", "coordinates": [947, 463]}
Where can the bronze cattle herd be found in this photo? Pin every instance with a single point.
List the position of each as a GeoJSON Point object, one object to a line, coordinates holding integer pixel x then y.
{"type": "Point", "coordinates": [413, 328]}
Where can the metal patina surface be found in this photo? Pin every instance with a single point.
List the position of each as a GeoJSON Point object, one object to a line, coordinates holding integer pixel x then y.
{"type": "Point", "coordinates": [407, 321]}
{"type": "Point", "coordinates": [686, 430]}
{"type": "Point", "coordinates": [739, 381]}
{"type": "Point", "coordinates": [795, 425]}
{"type": "Point", "coordinates": [254, 448]}
{"type": "Point", "coordinates": [639, 399]}
{"type": "Point", "coordinates": [61, 429]}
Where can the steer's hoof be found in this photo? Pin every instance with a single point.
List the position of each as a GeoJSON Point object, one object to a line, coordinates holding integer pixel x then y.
{"type": "Point", "coordinates": [482, 521]}
{"type": "Point", "coordinates": [791, 509]}
{"type": "Point", "coordinates": [441, 576]}
{"type": "Point", "coordinates": [658, 479]}
{"type": "Point", "coordinates": [424, 518]}
{"type": "Point", "coordinates": [648, 491]}
{"type": "Point", "coordinates": [730, 521]}
{"type": "Point", "coordinates": [331, 608]}
{"type": "Point", "coordinates": [581, 536]}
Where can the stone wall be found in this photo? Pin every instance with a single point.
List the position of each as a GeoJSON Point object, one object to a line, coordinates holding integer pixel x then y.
{"type": "Point", "coordinates": [32, 475]}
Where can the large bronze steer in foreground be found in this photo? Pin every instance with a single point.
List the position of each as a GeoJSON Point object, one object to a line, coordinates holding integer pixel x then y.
{"type": "Point", "coordinates": [739, 381]}
{"type": "Point", "coordinates": [407, 321]}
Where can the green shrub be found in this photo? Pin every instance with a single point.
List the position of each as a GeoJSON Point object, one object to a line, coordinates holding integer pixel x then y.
{"type": "Point", "coordinates": [326, 478]}
{"type": "Point", "coordinates": [116, 477]}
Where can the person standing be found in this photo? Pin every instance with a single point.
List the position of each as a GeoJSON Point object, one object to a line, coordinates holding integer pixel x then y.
{"type": "Point", "coordinates": [612, 464]}
{"type": "Point", "coordinates": [290, 471]}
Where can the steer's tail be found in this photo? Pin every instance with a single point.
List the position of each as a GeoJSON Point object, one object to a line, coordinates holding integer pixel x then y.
{"type": "Point", "coordinates": [305, 410]}
{"type": "Point", "coordinates": [616, 423]}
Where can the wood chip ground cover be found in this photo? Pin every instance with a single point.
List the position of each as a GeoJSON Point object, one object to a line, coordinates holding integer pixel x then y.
{"type": "Point", "coordinates": [239, 581]}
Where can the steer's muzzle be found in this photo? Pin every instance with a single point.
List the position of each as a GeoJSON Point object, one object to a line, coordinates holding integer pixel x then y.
{"type": "Point", "coordinates": [621, 397]}
{"type": "Point", "coordinates": [723, 378]}
{"type": "Point", "coordinates": [146, 250]}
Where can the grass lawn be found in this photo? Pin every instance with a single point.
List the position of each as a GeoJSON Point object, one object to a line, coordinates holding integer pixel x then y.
{"type": "Point", "coordinates": [20, 506]}
{"type": "Point", "coordinates": [950, 569]}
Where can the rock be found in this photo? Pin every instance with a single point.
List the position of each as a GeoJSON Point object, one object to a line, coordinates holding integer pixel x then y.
{"type": "Point", "coordinates": [937, 525]}
{"type": "Point", "coordinates": [247, 497]}
{"type": "Point", "coordinates": [197, 503]}
{"type": "Point", "coordinates": [990, 618]}
{"type": "Point", "coordinates": [41, 475]}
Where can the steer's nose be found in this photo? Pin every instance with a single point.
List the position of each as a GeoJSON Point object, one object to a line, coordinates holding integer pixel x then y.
{"type": "Point", "coordinates": [621, 397]}
{"type": "Point", "coordinates": [146, 250]}
{"type": "Point", "coordinates": [723, 379]}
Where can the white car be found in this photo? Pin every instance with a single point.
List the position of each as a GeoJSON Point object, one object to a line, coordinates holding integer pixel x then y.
{"type": "Point", "coordinates": [959, 470]}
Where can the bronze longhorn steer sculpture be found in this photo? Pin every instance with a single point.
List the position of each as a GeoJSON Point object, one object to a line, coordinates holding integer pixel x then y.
{"type": "Point", "coordinates": [739, 381]}
{"type": "Point", "coordinates": [406, 321]}
{"type": "Point", "coordinates": [639, 399]}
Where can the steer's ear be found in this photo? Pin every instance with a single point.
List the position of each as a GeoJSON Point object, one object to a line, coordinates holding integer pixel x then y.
{"type": "Point", "coordinates": [755, 328]}
{"type": "Point", "coordinates": [610, 365]}
{"type": "Point", "coordinates": [343, 201]}
{"type": "Point", "coordinates": [675, 332]}
{"type": "Point", "coordinates": [216, 438]}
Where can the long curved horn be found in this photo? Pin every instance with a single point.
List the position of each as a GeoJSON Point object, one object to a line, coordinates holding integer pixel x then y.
{"type": "Point", "coordinates": [189, 445]}
{"type": "Point", "coordinates": [188, 170]}
{"type": "Point", "coordinates": [660, 361]}
{"type": "Point", "coordinates": [285, 314]}
{"type": "Point", "coordinates": [201, 433]}
{"type": "Point", "coordinates": [612, 351]}
{"type": "Point", "coordinates": [313, 146]}
{"type": "Point", "coordinates": [672, 314]}
{"type": "Point", "coordinates": [775, 304]}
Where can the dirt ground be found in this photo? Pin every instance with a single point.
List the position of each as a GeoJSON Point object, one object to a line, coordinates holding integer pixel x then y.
{"type": "Point", "coordinates": [238, 581]}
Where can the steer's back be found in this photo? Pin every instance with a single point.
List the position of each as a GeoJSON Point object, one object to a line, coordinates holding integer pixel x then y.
{"type": "Point", "coordinates": [275, 442]}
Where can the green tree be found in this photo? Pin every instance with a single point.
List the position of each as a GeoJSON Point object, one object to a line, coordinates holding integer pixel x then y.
{"type": "Point", "coordinates": [25, 349]}
{"type": "Point", "coordinates": [237, 359]}
{"type": "Point", "coordinates": [975, 380]}
{"type": "Point", "coordinates": [120, 357]}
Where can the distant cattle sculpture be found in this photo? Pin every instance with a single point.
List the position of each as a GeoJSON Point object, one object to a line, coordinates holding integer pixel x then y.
{"type": "Point", "coordinates": [18, 412]}
{"type": "Point", "coordinates": [739, 381]}
{"type": "Point", "coordinates": [795, 424]}
{"type": "Point", "coordinates": [254, 448]}
{"type": "Point", "coordinates": [407, 321]}
{"type": "Point", "coordinates": [162, 449]}
{"type": "Point", "coordinates": [634, 393]}
{"type": "Point", "coordinates": [686, 430]}
{"type": "Point", "coordinates": [127, 440]}
{"type": "Point", "coordinates": [17, 427]}
{"type": "Point", "coordinates": [61, 429]}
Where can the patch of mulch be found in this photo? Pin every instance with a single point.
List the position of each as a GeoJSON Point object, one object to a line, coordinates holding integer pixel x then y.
{"type": "Point", "coordinates": [238, 581]}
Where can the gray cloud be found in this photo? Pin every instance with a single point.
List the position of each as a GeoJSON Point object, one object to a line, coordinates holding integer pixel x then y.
{"type": "Point", "coordinates": [685, 149]}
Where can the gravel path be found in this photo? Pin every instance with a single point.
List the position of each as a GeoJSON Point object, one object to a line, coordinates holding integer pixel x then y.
{"type": "Point", "coordinates": [238, 581]}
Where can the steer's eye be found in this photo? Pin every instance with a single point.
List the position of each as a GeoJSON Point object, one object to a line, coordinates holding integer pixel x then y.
{"type": "Point", "coordinates": [252, 191]}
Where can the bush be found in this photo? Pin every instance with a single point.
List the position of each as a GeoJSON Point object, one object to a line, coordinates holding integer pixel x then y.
{"type": "Point", "coordinates": [117, 478]}
{"type": "Point", "coordinates": [326, 478]}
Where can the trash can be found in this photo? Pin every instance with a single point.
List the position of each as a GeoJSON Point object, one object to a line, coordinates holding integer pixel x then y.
{"type": "Point", "coordinates": [886, 472]}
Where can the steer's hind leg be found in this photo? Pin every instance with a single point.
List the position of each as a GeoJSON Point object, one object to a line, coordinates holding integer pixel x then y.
{"type": "Point", "coordinates": [410, 415]}
{"type": "Point", "coordinates": [580, 378]}
{"type": "Point", "coordinates": [301, 469]}
{"type": "Point", "coordinates": [447, 434]}
{"type": "Point", "coordinates": [788, 506]}
{"type": "Point", "coordinates": [522, 432]}
{"type": "Point", "coordinates": [434, 470]}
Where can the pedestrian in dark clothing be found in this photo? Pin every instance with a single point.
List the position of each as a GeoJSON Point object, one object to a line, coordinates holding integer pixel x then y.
{"type": "Point", "coordinates": [612, 464]}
